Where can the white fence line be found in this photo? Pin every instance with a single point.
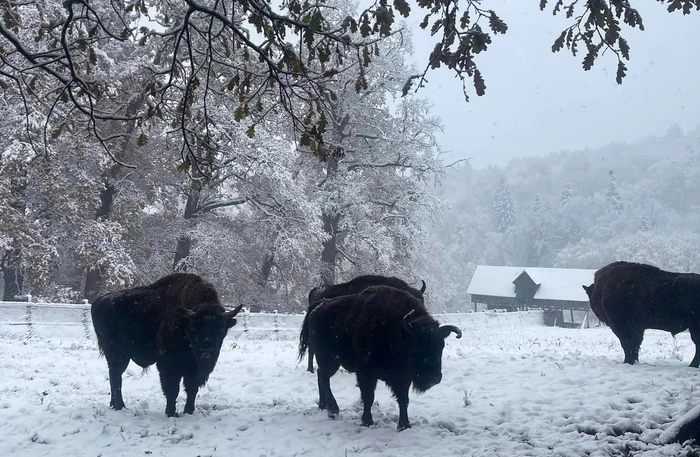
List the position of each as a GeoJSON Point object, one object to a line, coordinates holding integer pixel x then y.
{"type": "Point", "coordinates": [29, 321]}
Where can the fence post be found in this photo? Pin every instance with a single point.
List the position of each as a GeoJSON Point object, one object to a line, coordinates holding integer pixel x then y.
{"type": "Point", "coordinates": [30, 332]}
{"type": "Point", "coordinates": [86, 327]}
{"type": "Point", "coordinates": [276, 324]}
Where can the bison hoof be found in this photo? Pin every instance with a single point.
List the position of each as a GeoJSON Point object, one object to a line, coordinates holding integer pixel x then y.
{"type": "Point", "coordinates": [117, 407]}
{"type": "Point", "coordinates": [403, 426]}
{"type": "Point", "coordinates": [367, 422]}
{"type": "Point", "coordinates": [188, 411]}
{"type": "Point", "coordinates": [172, 414]}
{"type": "Point", "coordinates": [333, 414]}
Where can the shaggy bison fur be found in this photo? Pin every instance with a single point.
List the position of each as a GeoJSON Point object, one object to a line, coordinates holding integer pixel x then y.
{"type": "Point", "coordinates": [632, 297]}
{"type": "Point", "coordinates": [355, 286]}
{"type": "Point", "coordinates": [176, 322]}
{"type": "Point", "coordinates": [381, 333]}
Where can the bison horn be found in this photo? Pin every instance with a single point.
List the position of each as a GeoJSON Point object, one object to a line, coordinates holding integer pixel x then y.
{"type": "Point", "coordinates": [445, 331]}
{"type": "Point", "coordinates": [186, 312]}
{"type": "Point", "coordinates": [232, 314]}
{"type": "Point", "coordinates": [422, 289]}
{"type": "Point", "coordinates": [406, 323]}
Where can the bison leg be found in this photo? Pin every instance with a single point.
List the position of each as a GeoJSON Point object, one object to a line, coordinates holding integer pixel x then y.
{"type": "Point", "coordinates": [631, 341]}
{"type": "Point", "coordinates": [401, 394]}
{"type": "Point", "coordinates": [695, 335]}
{"type": "Point", "coordinates": [117, 365]}
{"type": "Point", "coordinates": [191, 387]}
{"type": "Point", "coordinates": [367, 386]}
{"type": "Point", "coordinates": [326, 400]}
{"type": "Point", "coordinates": [170, 382]}
{"type": "Point", "coordinates": [310, 366]}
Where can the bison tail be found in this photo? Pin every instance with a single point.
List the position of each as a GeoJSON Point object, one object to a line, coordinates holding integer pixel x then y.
{"type": "Point", "coordinates": [304, 336]}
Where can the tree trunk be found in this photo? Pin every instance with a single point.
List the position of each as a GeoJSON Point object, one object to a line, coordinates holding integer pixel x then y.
{"type": "Point", "coordinates": [12, 276]}
{"type": "Point", "coordinates": [265, 270]}
{"type": "Point", "coordinates": [184, 242]}
{"type": "Point", "coordinates": [94, 278]}
{"type": "Point", "coordinates": [329, 254]}
{"type": "Point", "coordinates": [182, 251]}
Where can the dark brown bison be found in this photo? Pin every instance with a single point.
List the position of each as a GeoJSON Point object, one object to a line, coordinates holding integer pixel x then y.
{"type": "Point", "coordinates": [632, 297]}
{"type": "Point", "coordinates": [355, 286]}
{"type": "Point", "coordinates": [176, 322]}
{"type": "Point", "coordinates": [381, 333]}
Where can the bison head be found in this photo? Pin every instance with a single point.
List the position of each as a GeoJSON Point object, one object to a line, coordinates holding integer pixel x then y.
{"type": "Point", "coordinates": [427, 340]}
{"type": "Point", "coordinates": [205, 329]}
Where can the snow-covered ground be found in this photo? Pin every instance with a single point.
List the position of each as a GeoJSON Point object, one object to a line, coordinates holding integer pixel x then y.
{"type": "Point", "coordinates": [512, 391]}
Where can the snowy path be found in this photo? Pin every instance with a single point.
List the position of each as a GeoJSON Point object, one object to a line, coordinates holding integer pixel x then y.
{"type": "Point", "coordinates": [532, 391]}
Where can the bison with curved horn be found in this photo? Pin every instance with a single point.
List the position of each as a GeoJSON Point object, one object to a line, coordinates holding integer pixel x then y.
{"type": "Point", "coordinates": [355, 286]}
{"type": "Point", "coordinates": [177, 323]}
{"type": "Point", "coordinates": [382, 333]}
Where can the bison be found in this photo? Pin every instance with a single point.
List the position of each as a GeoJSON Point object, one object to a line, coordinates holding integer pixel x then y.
{"type": "Point", "coordinates": [177, 323]}
{"type": "Point", "coordinates": [632, 297]}
{"type": "Point", "coordinates": [380, 333]}
{"type": "Point", "coordinates": [354, 286]}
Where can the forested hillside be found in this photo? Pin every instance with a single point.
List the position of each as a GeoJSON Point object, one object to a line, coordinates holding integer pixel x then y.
{"type": "Point", "coordinates": [574, 209]}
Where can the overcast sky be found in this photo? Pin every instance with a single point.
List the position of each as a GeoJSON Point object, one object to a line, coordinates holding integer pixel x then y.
{"type": "Point", "coordinates": [538, 102]}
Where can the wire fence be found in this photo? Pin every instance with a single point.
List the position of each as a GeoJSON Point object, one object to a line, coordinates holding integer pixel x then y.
{"type": "Point", "coordinates": [61, 321]}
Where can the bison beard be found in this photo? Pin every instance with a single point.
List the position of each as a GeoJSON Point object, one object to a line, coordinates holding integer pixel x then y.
{"type": "Point", "coordinates": [355, 286]}
{"type": "Point", "coordinates": [632, 297]}
{"type": "Point", "coordinates": [177, 323]}
{"type": "Point", "coordinates": [381, 333]}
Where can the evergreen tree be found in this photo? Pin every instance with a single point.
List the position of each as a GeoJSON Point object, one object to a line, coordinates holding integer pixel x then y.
{"type": "Point", "coordinates": [566, 194]}
{"type": "Point", "coordinates": [537, 206]}
{"type": "Point", "coordinates": [503, 207]}
{"type": "Point", "coordinates": [613, 195]}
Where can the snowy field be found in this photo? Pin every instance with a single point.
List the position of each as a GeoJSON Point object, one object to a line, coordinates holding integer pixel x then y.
{"type": "Point", "coordinates": [511, 391]}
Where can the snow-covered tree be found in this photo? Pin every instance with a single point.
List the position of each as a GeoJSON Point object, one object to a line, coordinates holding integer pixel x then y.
{"type": "Point", "coordinates": [68, 60]}
{"type": "Point", "coordinates": [503, 207]}
{"type": "Point", "coordinates": [566, 194]}
{"type": "Point", "coordinates": [374, 199]}
{"type": "Point", "coordinates": [613, 196]}
{"type": "Point", "coordinates": [537, 206]}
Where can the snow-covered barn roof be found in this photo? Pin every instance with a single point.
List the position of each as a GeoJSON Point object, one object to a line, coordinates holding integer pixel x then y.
{"type": "Point", "coordinates": [555, 283]}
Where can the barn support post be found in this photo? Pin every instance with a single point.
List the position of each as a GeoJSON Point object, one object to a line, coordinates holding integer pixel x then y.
{"type": "Point", "coordinates": [560, 318]}
{"type": "Point", "coordinates": [30, 331]}
{"type": "Point", "coordinates": [550, 317]}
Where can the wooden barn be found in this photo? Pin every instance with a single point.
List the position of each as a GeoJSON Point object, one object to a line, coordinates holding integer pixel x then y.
{"type": "Point", "coordinates": [557, 291]}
